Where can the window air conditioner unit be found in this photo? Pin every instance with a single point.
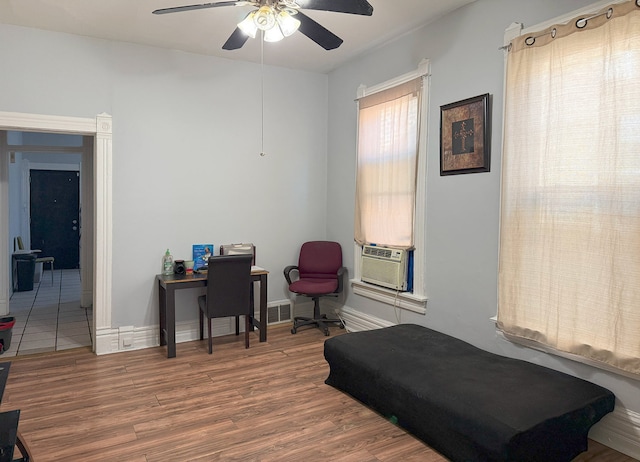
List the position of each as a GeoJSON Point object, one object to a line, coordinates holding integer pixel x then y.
{"type": "Point", "coordinates": [384, 266]}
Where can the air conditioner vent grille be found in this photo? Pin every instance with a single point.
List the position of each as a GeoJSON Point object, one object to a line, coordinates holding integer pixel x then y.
{"type": "Point", "coordinates": [384, 266]}
{"type": "Point", "coordinates": [377, 252]}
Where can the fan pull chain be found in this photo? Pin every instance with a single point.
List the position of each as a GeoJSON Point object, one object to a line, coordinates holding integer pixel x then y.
{"type": "Point", "coordinates": [262, 153]}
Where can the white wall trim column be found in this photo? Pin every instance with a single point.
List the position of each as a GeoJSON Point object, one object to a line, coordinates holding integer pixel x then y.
{"type": "Point", "coordinates": [102, 269]}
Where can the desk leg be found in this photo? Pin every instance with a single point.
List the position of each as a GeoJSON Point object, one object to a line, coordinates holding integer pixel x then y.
{"type": "Point", "coordinates": [167, 306]}
{"type": "Point", "coordinates": [162, 310]}
{"type": "Point", "coordinates": [263, 307]}
{"type": "Point", "coordinates": [252, 304]}
{"type": "Point", "coordinates": [24, 449]}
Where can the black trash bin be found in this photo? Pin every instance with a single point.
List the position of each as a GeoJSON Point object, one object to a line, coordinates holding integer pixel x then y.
{"type": "Point", "coordinates": [26, 268]}
{"type": "Point", "coordinates": [6, 330]}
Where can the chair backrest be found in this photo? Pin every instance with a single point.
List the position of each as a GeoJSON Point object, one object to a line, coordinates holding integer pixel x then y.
{"type": "Point", "coordinates": [229, 286]}
{"type": "Point", "coordinates": [239, 249]}
{"type": "Point", "coordinates": [319, 259]}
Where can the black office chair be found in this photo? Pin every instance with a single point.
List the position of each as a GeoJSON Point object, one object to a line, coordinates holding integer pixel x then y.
{"type": "Point", "coordinates": [228, 293]}
{"type": "Point", "coordinates": [320, 273]}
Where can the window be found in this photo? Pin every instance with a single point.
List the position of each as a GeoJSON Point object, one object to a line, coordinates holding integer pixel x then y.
{"type": "Point", "coordinates": [390, 177]}
{"type": "Point", "coordinates": [386, 166]}
{"type": "Point", "coordinates": [569, 273]}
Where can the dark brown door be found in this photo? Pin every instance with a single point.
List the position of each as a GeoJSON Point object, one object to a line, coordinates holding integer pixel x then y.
{"type": "Point", "coordinates": [55, 216]}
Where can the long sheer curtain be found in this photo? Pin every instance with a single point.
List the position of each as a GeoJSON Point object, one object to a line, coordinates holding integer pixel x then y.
{"type": "Point", "coordinates": [386, 165]}
{"type": "Point", "coordinates": [569, 273]}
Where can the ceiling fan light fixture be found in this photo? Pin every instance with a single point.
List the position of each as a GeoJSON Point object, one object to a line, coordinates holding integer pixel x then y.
{"type": "Point", "coordinates": [264, 18]}
{"type": "Point", "coordinates": [273, 35]}
{"type": "Point", "coordinates": [284, 16]}
{"type": "Point", "coordinates": [288, 24]}
{"type": "Point", "coordinates": [248, 25]}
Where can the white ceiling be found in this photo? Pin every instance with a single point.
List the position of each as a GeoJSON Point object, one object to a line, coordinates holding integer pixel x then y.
{"type": "Point", "coordinates": [205, 31]}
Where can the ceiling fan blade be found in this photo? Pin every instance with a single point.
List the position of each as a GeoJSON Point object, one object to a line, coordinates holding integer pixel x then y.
{"type": "Point", "coordinates": [177, 9]}
{"type": "Point", "coordinates": [319, 34]}
{"type": "Point", "coordinates": [236, 40]}
{"type": "Point", "coordinates": [341, 6]}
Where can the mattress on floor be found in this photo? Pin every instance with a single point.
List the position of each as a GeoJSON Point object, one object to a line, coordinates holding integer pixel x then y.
{"type": "Point", "coordinates": [466, 403]}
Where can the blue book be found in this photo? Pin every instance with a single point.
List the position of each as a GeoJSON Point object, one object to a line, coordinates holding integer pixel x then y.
{"type": "Point", "coordinates": [201, 254]}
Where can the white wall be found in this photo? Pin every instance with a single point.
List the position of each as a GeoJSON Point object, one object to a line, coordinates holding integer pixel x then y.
{"type": "Point", "coordinates": [462, 210]}
{"type": "Point", "coordinates": [186, 143]}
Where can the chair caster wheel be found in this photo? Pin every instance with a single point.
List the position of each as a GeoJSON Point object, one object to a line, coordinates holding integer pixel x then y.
{"type": "Point", "coordinates": [326, 332]}
{"type": "Point", "coordinates": [293, 331]}
{"type": "Point", "coordinates": [341, 326]}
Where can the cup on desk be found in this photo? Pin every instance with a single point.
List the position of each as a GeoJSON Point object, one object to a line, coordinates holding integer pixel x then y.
{"type": "Point", "coordinates": [188, 266]}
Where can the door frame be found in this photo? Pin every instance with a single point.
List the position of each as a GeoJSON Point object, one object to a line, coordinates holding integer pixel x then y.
{"type": "Point", "coordinates": [96, 244]}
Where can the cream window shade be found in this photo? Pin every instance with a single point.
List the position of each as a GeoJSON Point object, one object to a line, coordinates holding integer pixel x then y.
{"type": "Point", "coordinates": [569, 270]}
{"type": "Point", "coordinates": [388, 133]}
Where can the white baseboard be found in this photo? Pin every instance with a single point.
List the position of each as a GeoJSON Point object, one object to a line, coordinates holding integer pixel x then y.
{"type": "Point", "coordinates": [110, 340]}
{"type": "Point", "coordinates": [619, 430]}
{"type": "Point", "coordinates": [356, 321]}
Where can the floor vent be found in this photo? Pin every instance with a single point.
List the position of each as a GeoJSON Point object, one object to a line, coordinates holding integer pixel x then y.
{"type": "Point", "coordinates": [278, 313]}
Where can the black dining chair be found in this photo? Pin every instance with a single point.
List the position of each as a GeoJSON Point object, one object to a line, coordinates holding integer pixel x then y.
{"type": "Point", "coordinates": [228, 293]}
{"type": "Point", "coordinates": [240, 249]}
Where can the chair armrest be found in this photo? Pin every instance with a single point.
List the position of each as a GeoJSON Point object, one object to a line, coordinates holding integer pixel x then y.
{"type": "Point", "coordinates": [287, 272]}
{"type": "Point", "coordinates": [340, 274]}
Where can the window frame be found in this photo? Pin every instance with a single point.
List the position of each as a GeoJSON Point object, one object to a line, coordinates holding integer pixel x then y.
{"type": "Point", "coordinates": [416, 301]}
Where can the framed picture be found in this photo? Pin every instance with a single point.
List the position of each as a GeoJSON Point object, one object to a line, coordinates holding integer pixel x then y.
{"type": "Point", "coordinates": [464, 136]}
{"type": "Point", "coordinates": [201, 254]}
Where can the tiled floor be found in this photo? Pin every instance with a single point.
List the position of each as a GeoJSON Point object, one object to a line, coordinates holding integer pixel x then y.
{"type": "Point", "coordinates": [49, 317]}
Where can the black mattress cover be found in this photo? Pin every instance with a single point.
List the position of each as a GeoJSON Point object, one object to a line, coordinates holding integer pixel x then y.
{"type": "Point", "coordinates": [467, 403]}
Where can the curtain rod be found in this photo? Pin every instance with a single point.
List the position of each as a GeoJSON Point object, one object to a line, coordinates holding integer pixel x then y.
{"type": "Point", "coordinates": [580, 23]}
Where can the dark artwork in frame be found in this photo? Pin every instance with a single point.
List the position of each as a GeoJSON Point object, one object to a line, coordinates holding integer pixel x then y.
{"type": "Point", "coordinates": [464, 136]}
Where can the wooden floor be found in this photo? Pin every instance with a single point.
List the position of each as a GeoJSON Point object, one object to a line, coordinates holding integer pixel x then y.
{"type": "Point", "coordinates": [267, 403]}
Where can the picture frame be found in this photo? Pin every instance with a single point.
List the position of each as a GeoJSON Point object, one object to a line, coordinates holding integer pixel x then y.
{"type": "Point", "coordinates": [464, 136]}
{"type": "Point", "coordinates": [201, 254]}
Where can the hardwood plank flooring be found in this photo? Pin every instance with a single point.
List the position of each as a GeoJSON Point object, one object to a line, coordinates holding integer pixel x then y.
{"type": "Point", "coordinates": [267, 403]}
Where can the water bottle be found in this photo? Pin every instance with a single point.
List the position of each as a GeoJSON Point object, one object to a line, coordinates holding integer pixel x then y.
{"type": "Point", "coordinates": [167, 264]}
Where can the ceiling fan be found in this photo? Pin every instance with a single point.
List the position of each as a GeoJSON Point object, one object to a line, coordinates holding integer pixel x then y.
{"type": "Point", "coordinates": [281, 18]}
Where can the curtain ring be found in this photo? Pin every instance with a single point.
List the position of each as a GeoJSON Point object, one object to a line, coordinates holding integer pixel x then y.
{"type": "Point", "coordinates": [581, 23]}
{"type": "Point", "coordinates": [637, 2]}
{"type": "Point", "coordinates": [610, 11]}
{"type": "Point", "coordinates": [554, 31]}
{"type": "Point", "coordinates": [531, 40]}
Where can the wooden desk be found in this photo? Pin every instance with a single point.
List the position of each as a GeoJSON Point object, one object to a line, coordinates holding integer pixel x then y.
{"type": "Point", "coordinates": [167, 285]}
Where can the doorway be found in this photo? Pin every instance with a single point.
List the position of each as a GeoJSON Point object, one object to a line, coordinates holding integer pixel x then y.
{"type": "Point", "coordinates": [96, 241]}
{"type": "Point", "coordinates": [45, 203]}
